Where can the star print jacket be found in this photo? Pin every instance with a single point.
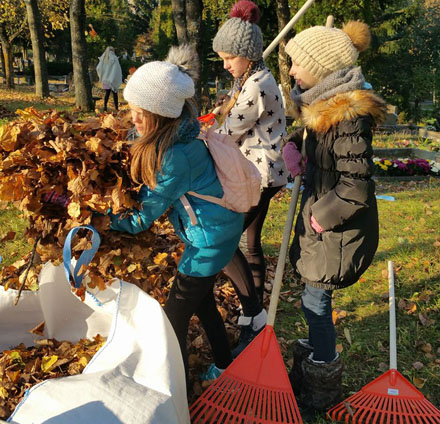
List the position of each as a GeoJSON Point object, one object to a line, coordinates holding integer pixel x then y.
{"type": "Point", "coordinates": [257, 123]}
{"type": "Point", "coordinates": [338, 190]}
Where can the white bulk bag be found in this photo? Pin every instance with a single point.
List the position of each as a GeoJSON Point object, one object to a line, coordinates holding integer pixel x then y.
{"type": "Point", "coordinates": [136, 377]}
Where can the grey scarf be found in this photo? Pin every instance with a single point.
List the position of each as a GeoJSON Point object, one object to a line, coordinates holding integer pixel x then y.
{"type": "Point", "coordinates": [341, 81]}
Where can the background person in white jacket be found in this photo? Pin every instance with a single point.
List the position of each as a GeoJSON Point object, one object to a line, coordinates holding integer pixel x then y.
{"type": "Point", "coordinates": [110, 75]}
{"type": "Point", "coordinates": [255, 119]}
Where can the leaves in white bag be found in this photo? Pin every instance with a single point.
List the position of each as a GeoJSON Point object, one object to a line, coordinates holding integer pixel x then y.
{"type": "Point", "coordinates": [21, 367]}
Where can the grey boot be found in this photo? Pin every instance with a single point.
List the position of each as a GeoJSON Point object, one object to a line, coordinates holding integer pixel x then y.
{"type": "Point", "coordinates": [301, 350]}
{"type": "Point", "coordinates": [322, 383]}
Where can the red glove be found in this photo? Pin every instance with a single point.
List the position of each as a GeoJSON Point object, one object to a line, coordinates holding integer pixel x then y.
{"type": "Point", "coordinates": [292, 158]}
{"type": "Point", "coordinates": [315, 225]}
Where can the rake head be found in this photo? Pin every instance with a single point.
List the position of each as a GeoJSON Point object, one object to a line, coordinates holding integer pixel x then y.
{"type": "Point", "coordinates": [254, 389]}
{"type": "Point", "coordinates": [389, 398]}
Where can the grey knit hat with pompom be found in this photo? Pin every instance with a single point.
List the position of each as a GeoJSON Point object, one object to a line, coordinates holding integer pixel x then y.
{"type": "Point", "coordinates": [240, 35]}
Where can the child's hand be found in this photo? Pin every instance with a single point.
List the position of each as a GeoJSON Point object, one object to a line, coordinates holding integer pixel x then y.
{"type": "Point", "coordinates": [315, 225]}
{"type": "Point", "coordinates": [292, 158]}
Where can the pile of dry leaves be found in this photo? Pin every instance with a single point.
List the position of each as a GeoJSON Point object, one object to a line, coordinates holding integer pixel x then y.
{"type": "Point", "coordinates": [57, 169]}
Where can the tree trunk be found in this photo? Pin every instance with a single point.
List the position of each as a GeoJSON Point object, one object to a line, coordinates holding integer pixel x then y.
{"type": "Point", "coordinates": [40, 68]}
{"type": "Point", "coordinates": [194, 10]}
{"type": "Point", "coordinates": [2, 60]}
{"type": "Point", "coordinates": [283, 15]}
{"type": "Point", "coordinates": [188, 21]}
{"type": "Point", "coordinates": [179, 15]}
{"type": "Point", "coordinates": [7, 58]}
{"type": "Point", "coordinates": [83, 86]}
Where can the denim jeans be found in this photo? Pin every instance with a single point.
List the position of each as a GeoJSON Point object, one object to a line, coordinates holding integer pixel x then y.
{"type": "Point", "coordinates": [317, 307]}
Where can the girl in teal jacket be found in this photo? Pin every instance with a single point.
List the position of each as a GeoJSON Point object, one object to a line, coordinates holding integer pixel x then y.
{"type": "Point", "coordinates": [170, 160]}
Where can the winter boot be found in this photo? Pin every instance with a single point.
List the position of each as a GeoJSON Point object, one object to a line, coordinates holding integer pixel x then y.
{"type": "Point", "coordinates": [322, 383]}
{"type": "Point", "coordinates": [250, 327]}
{"type": "Point", "coordinates": [301, 350]}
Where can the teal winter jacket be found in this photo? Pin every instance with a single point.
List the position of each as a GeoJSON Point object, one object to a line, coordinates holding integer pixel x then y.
{"type": "Point", "coordinates": [188, 166]}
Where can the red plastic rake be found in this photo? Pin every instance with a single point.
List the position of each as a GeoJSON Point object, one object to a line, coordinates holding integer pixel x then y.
{"type": "Point", "coordinates": [255, 388]}
{"type": "Point", "coordinates": [389, 398]}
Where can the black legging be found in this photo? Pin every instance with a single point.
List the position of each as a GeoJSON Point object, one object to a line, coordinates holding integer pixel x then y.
{"type": "Point", "coordinates": [115, 98]}
{"type": "Point", "coordinates": [195, 295]}
{"type": "Point", "coordinates": [248, 272]}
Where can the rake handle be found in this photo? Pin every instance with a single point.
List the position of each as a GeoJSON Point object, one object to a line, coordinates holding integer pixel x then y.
{"type": "Point", "coordinates": [277, 282]}
{"type": "Point", "coordinates": [276, 288]}
{"type": "Point", "coordinates": [392, 305]}
{"type": "Point", "coordinates": [287, 28]}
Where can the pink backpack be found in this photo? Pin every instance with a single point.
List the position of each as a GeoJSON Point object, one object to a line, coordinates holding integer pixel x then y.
{"type": "Point", "coordinates": [238, 176]}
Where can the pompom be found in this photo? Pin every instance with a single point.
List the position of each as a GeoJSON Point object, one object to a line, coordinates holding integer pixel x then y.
{"type": "Point", "coordinates": [359, 33]}
{"type": "Point", "coordinates": [247, 11]}
{"type": "Point", "coordinates": [186, 58]}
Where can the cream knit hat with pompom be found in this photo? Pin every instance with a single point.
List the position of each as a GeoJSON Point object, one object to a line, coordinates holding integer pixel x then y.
{"type": "Point", "coordinates": [321, 50]}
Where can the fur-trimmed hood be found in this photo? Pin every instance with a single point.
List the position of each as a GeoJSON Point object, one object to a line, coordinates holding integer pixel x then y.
{"type": "Point", "coordinates": [324, 114]}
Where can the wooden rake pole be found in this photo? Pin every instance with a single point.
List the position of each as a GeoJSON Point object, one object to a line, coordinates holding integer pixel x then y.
{"type": "Point", "coordinates": [276, 288]}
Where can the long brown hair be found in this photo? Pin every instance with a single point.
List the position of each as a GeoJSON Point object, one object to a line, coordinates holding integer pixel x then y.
{"type": "Point", "coordinates": [231, 104]}
{"type": "Point", "coordinates": [147, 151]}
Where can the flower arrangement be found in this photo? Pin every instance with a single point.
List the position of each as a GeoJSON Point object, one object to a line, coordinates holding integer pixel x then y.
{"type": "Point", "coordinates": [406, 167]}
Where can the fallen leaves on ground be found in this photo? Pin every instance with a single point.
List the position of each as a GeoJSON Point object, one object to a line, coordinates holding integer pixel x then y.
{"type": "Point", "coordinates": [27, 95]}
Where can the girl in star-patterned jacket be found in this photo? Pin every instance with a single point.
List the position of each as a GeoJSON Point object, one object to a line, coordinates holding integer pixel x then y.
{"type": "Point", "coordinates": [255, 119]}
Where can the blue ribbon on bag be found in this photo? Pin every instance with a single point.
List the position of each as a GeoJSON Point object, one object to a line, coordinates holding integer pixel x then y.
{"type": "Point", "coordinates": [385, 197]}
{"type": "Point", "coordinates": [85, 258]}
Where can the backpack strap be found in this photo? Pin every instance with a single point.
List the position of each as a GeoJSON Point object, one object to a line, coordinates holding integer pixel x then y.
{"type": "Point", "coordinates": [208, 198]}
{"type": "Point", "coordinates": [189, 209]}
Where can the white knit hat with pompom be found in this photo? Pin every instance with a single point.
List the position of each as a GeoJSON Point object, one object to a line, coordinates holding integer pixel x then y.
{"type": "Point", "coordinates": [163, 87]}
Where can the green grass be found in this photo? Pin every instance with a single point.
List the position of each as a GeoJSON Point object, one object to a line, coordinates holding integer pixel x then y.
{"type": "Point", "coordinates": [410, 237]}
{"type": "Point", "coordinates": [12, 220]}
{"type": "Point", "coordinates": [24, 96]}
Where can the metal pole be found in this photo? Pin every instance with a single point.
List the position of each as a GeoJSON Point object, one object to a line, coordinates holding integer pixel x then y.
{"type": "Point", "coordinates": [330, 21]}
{"type": "Point", "coordinates": [287, 28]}
{"type": "Point", "coordinates": [392, 305]}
